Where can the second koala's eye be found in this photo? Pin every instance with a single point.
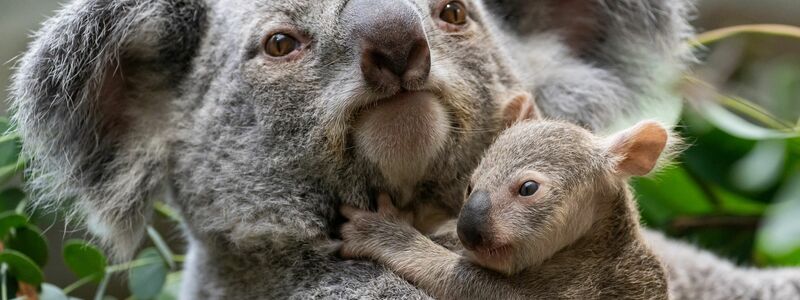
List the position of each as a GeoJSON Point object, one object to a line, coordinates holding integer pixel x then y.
{"type": "Point", "coordinates": [279, 45]}
{"type": "Point", "coordinates": [528, 188]}
{"type": "Point", "coordinates": [469, 190]}
{"type": "Point", "coordinates": [454, 13]}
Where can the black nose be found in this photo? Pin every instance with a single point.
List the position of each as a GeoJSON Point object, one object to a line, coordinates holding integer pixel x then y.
{"type": "Point", "coordinates": [473, 222]}
{"type": "Point", "coordinates": [391, 42]}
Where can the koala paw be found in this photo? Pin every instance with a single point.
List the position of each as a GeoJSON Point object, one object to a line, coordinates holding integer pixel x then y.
{"type": "Point", "coordinates": [369, 234]}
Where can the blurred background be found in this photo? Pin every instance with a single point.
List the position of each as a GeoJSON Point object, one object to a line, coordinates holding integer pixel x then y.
{"type": "Point", "coordinates": [735, 190]}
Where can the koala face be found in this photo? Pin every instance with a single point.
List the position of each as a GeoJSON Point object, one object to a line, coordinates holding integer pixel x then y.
{"type": "Point", "coordinates": [336, 100]}
{"type": "Point", "coordinates": [534, 193]}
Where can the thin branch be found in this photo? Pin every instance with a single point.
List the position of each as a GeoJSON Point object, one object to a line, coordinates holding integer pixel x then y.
{"type": "Point", "coordinates": [723, 33]}
{"type": "Point", "coordinates": [162, 246]}
{"type": "Point", "coordinates": [690, 222]}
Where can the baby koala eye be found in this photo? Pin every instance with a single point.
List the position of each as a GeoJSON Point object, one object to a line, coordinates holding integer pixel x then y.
{"type": "Point", "coordinates": [454, 13]}
{"type": "Point", "coordinates": [528, 188]}
{"type": "Point", "coordinates": [280, 44]}
{"type": "Point", "coordinates": [469, 190]}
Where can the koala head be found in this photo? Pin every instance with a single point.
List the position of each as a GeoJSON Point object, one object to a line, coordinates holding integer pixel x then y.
{"type": "Point", "coordinates": [254, 118]}
{"type": "Point", "coordinates": [543, 185]}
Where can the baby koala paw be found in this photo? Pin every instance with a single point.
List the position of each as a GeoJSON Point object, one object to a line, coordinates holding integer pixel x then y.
{"type": "Point", "coordinates": [369, 234]}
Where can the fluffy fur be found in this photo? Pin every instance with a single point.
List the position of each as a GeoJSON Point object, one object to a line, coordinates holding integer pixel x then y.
{"type": "Point", "coordinates": [120, 101]}
{"type": "Point", "coordinates": [576, 237]}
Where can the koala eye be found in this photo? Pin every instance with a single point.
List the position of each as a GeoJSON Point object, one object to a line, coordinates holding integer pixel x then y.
{"type": "Point", "coordinates": [454, 13]}
{"type": "Point", "coordinates": [469, 190]}
{"type": "Point", "coordinates": [279, 45]}
{"type": "Point", "coordinates": [528, 188]}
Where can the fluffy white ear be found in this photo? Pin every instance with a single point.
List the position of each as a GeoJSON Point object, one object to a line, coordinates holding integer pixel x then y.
{"type": "Point", "coordinates": [520, 108]}
{"type": "Point", "coordinates": [638, 148]}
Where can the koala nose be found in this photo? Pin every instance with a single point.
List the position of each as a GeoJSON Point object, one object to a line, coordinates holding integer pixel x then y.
{"type": "Point", "coordinates": [394, 50]}
{"type": "Point", "coordinates": [473, 222]}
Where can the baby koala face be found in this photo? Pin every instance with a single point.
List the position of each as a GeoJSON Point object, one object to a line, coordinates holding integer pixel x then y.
{"type": "Point", "coordinates": [543, 184]}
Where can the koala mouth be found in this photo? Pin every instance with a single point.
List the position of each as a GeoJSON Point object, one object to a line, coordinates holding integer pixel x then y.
{"type": "Point", "coordinates": [494, 253]}
{"type": "Point", "coordinates": [496, 258]}
{"type": "Point", "coordinates": [402, 134]}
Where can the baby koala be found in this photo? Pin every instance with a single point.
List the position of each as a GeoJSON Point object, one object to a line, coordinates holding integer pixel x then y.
{"type": "Point", "coordinates": [549, 215]}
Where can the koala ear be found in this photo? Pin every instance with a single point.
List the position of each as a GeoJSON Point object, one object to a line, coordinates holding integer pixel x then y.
{"type": "Point", "coordinates": [91, 100]}
{"type": "Point", "coordinates": [521, 107]}
{"type": "Point", "coordinates": [636, 150]}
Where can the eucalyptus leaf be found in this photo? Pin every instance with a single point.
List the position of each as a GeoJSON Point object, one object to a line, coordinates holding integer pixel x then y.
{"type": "Point", "coordinates": [10, 147]}
{"type": "Point", "coordinates": [10, 220]}
{"type": "Point", "coordinates": [172, 288]}
{"type": "Point", "coordinates": [737, 125]}
{"type": "Point", "coordinates": [146, 281]}
{"type": "Point", "coordinates": [10, 199]}
{"type": "Point", "coordinates": [761, 168]}
{"type": "Point", "coordinates": [52, 292]}
{"type": "Point", "coordinates": [22, 267]}
{"type": "Point", "coordinates": [780, 234]}
{"type": "Point", "coordinates": [29, 240]}
{"type": "Point", "coordinates": [670, 193]}
{"type": "Point", "coordinates": [84, 259]}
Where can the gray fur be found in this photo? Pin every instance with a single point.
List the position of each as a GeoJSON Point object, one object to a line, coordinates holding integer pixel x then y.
{"type": "Point", "coordinates": [121, 101]}
{"type": "Point", "coordinates": [633, 49]}
{"type": "Point", "coordinates": [576, 237]}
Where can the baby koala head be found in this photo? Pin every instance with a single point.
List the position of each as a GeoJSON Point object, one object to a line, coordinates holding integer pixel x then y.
{"type": "Point", "coordinates": [543, 184]}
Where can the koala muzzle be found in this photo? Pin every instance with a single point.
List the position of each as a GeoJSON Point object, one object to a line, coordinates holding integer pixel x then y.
{"type": "Point", "coordinates": [392, 46]}
{"type": "Point", "coordinates": [473, 222]}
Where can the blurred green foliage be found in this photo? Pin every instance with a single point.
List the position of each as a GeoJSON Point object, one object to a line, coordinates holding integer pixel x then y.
{"type": "Point", "coordinates": [736, 188]}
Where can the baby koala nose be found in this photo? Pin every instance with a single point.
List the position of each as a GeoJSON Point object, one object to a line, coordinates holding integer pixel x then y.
{"type": "Point", "coordinates": [473, 222]}
{"type": "Point", "coordinates": [394, 50]}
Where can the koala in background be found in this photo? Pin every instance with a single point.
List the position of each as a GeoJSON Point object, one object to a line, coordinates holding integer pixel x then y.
{"type": "Point", "coordinates": [549, 208]}
{"type": "Point", "coordinates": [601, 64]}
{"type": "Point", "coordinates": [255, 119]}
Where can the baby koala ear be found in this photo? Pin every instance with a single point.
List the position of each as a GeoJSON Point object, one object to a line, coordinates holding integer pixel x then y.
{"type": "Point", "coordinates": [520, 108]}
{"type": "Point", "coordinates": [638, 148]}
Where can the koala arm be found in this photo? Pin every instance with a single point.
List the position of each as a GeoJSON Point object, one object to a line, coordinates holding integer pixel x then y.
{"type": "Point", "coordinates": [388, 239]}
{"type": "Point", "coordinates": [698, 274]}
{"type": "Point", "coordinates": [599, 64]}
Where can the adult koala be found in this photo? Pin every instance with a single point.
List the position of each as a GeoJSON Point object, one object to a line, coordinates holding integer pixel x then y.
{"type": "Point", "coordinates": [256, 118]}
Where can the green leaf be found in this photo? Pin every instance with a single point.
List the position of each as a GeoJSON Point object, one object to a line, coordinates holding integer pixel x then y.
{"type": "Point", "coordinates": [146, 281]}
{"type": "Point", "coordinates": [670, 193]}
{"type": "Point", "coordinates": [9, 151]}
{"type": "Point", "coordinates": [738, 126]}
{"type": "Point", "coordinates": [10, 147]}
{"type": "Point", "coordinates": [22, 267]}
{"type": "Point", "coordinates": [779, 238]}
{"type": "Point", "coordinates": [29, 240]}
{"type": "Point", "coordinates": [52, 292]}
{"type": "Point", "coordinates": [10, 199]}
{"type": "Point", "coordinates": [761, 168]}
{"type": "Point", "coordinates": [8, 171]}
{"type": "Point", "coordinates": [172, 288]}
{"type": "Point", "coordinates": [10, 220]}
{"type": "Point", "coordinates": [84, 259]}
{"type": "Point", "coordinates": [738, 205]}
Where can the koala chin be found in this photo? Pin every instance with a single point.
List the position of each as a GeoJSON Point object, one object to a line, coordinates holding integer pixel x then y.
{"type": "Point", "coordinates": [402, 134]}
